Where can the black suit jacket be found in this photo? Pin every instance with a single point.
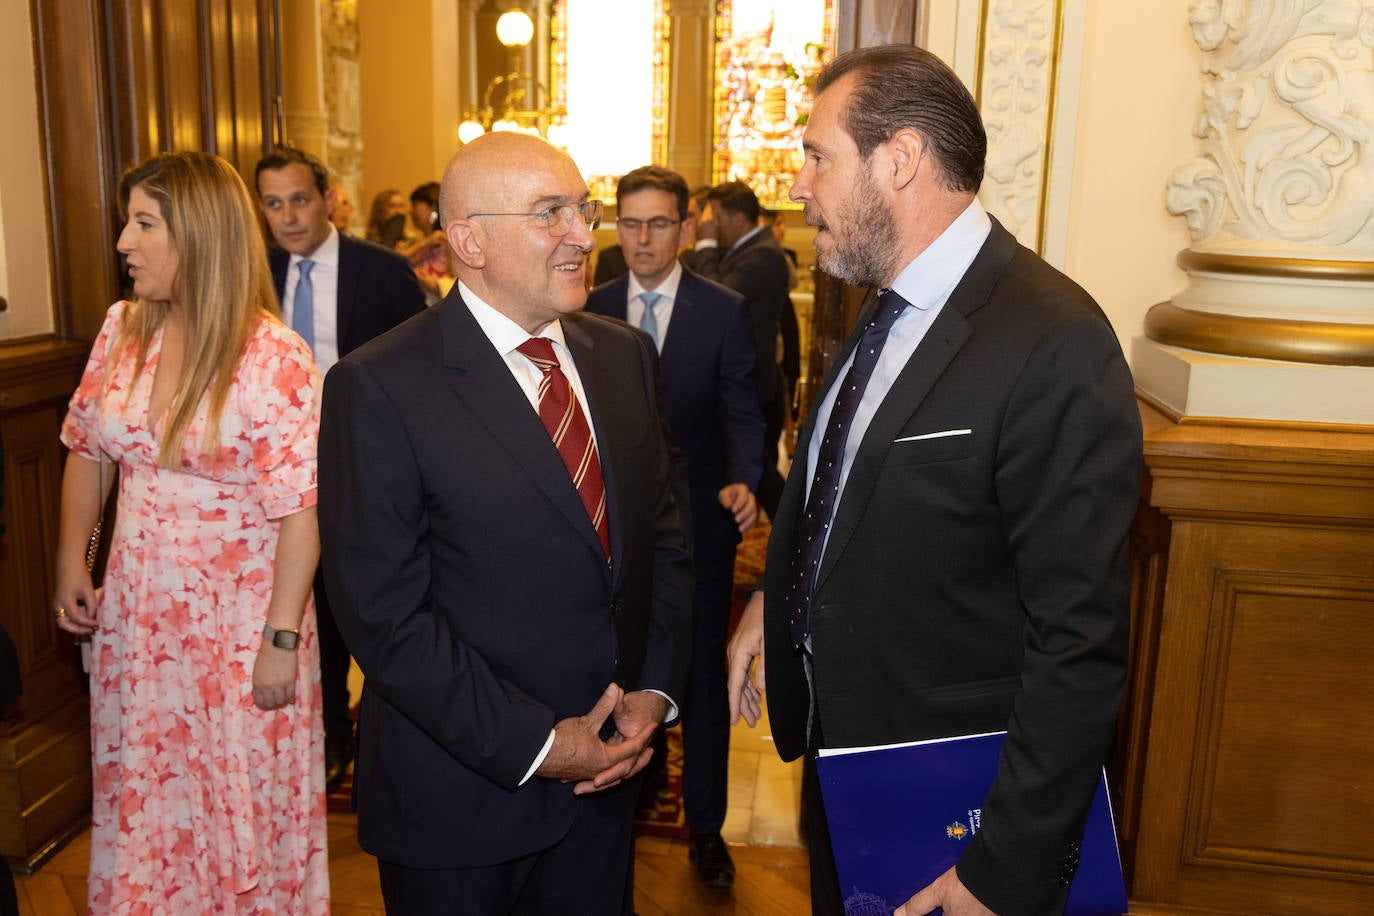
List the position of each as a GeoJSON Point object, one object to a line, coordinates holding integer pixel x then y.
{"type": "Point", "coordinates": [710, 393]}
{"type": "Point", "coordinates": [757, 270]}
{"type": "Point", "coordinates": [978, 581]}
{"type": "Point", "coordinates": [377, 290]}
{"type": "Point", "coordinates": [471, 586]}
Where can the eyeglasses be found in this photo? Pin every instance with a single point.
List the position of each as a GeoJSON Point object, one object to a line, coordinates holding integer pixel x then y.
{"type": "Point", "coordinates": [558, 220]}
{"type": "Point", "coordinates": [658, 225]}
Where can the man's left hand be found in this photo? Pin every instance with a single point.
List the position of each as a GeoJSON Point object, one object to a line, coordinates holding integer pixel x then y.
{"type": "Point", "coordinates": [741, 503]}
{"type": "Point", "coordinates": [637, 711]}
{"type": "Point", "coordinates": [948, 893]}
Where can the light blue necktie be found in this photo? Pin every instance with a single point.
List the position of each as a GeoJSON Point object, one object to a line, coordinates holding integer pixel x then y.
{"type": "Point", "coordinates": [648, 322]}
{"type": "Point", "coordinates": [303, 312]}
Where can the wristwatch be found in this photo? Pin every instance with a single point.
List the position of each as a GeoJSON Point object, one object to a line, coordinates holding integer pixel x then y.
{"type": "Point", "coordinates": [282, 639]}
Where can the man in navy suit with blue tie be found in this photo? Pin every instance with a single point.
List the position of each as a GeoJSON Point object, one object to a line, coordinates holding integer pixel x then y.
{"type": "Point", "coordinates": [710, 393]}
{"type": "Point", "coordinates": [337, 293]}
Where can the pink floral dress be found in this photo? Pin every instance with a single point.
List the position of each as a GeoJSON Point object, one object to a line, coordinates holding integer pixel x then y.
{"type": "Point", "coordinates": [203, 802]}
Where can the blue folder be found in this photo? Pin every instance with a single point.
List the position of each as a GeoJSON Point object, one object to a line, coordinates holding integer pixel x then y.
{"type": "Point", "coordinates": [901, 815]}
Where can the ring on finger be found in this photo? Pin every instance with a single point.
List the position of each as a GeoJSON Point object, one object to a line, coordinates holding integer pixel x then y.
{"type": "Point", "coordinates": [61, 612]}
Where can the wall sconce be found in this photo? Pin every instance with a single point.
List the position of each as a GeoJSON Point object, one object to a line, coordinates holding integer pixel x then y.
{"type": "Point", "coordinates": [520, 109]}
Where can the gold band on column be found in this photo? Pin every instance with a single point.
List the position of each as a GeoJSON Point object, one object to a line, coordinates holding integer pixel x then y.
{"type": "Point", "coordinates": [1325, 342]}
{"type": "Point", "coordinates": [1288, 268]}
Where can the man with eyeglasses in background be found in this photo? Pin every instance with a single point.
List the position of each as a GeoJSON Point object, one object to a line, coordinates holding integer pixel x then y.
{"type": "Point", "coordinates": [710, 394]}
{"type": "Point", "coordinates": [496, 503]}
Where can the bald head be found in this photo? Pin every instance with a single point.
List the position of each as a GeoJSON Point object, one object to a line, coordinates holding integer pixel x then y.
{"type": "Point", "coordinates": [495, 193]}
{"type": "Point", "coordinates": [474, 178]}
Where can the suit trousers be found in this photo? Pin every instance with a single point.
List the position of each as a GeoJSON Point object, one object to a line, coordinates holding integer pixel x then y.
{"type": "Point", "coordinates": [826, 898]}
{"type": "Point", "coordinates": [706, 707]}
{"type": "Point", "coordinates": [590, 870]}
{"type": "Point", "coordinates": [334, 659]}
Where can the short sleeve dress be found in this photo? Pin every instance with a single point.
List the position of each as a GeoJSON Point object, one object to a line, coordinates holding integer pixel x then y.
{"type": "Point", "coordinates": [203, 803]}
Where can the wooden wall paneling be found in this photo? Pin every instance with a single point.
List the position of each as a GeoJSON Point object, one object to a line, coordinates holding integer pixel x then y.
{"type": "Point", "coordinates": [221, 116]}
{"type": "Point", "coordinates": [1255, 792]}
{"type": "Point", "coordinates": [254, 83]}
{"type": "Point", "coordinates": [73, 102]}
{"type": "Point", "coordinates": [182, 47]}
{"type": "Point", "coordinates": [44, 740]}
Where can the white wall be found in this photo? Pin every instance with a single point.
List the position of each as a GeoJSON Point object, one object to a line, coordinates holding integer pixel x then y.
{"type": "Point", "coordinates": [1139, 96]}
{"type": "Point", "coordinates": [25, 255]}
{"type": "Point", "coordinates": [1133, 106]}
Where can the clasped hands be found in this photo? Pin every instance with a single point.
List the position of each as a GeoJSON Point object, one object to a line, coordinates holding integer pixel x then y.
{"type": "Point", "coordinates": [580, 755]}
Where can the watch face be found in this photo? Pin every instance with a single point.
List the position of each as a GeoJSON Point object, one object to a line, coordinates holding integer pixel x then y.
{"type": "Point", "coordinates": [285, 639]}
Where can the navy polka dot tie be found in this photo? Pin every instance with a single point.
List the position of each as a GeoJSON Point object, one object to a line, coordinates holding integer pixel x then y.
{"type": "Point", "coordinates": [825, 480]}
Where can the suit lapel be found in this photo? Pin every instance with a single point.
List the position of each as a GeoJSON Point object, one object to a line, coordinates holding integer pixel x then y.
{"type": "Point", "coordinates": [679, 329]}
{"type": "Point", "coordinates": [942, 342]}
{"type": "Point", "coordinates": [347, 293]}
{"type": "Point", "coordinates": [602, 392]}
{"type": "Point", "coordinates": [481, 378]}
{"type": "Point", "coordinates": [279, 261]}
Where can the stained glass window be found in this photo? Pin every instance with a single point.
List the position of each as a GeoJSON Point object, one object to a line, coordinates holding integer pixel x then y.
{"type": "Point", "coordinates": [767, 55]}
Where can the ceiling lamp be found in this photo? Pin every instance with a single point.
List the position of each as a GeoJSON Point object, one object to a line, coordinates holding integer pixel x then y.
{"type": "Point", "coordinates": [520, 109]}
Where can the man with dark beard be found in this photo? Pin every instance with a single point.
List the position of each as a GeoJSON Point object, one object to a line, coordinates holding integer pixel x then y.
{"type": "Point", "coordinates": [950, 553]}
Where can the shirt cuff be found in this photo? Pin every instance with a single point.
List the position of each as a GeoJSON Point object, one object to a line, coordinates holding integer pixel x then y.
{"type": "Point", "coordinates": [672, 707]}
{"type": "Point", "coordinates": [706, 243]}
{"type": "Point", "coordinates": [539, 759]}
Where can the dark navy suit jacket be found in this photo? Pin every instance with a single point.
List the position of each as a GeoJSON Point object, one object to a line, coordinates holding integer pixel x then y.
{"type": "Point", "coordinates": [377, 290]}
{"type": "Point", "coordinates": [470, 583]}
{"type": "Point", "coordinates": [710, 393]}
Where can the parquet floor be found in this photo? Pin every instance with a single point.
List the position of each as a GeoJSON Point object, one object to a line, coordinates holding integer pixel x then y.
{"type": "Point", "coordinates": [761, 827]}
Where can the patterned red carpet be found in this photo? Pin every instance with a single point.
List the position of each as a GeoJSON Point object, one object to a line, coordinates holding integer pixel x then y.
{"type": "Point", "coordinates": [661, 816]}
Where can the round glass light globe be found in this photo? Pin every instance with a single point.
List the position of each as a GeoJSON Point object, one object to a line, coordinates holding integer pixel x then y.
{"type": "Point", "coordinates": [469, 131]}
{"type": "Point", "coordinates": [514, 29]}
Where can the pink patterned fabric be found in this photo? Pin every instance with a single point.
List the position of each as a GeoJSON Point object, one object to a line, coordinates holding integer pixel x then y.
{"type": "Point", "coordinates": [203, 802]}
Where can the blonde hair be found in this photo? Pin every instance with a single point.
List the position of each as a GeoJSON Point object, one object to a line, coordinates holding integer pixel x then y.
{"type": "Point", "coordinates": [223, 283]}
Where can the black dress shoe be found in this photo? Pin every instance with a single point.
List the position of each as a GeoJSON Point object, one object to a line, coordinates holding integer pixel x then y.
{"type": "Point", "coordinates": [338, 753]}
{"type": "Point", "coordinates": [715, 868]}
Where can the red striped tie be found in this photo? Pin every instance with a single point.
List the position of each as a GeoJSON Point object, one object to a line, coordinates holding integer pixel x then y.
{"type": "Point", "coordinates": [571, 435]}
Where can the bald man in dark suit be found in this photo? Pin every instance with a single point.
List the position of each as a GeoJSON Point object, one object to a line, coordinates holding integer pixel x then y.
{"type": "Point", "coordinates": [506, 559]}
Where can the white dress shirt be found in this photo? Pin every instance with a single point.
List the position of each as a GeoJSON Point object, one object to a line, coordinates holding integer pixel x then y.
{"type": "Point", "coordinates": [324, 281]}
{"type": "Point", "coordinates": [505, 335]}
{"type": "Point", "coordinates": [925, 283]}
{"type": "Point", "coordinates": [663, 310]}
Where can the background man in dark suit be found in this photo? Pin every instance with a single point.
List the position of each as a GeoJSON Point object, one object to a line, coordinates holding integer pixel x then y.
{"type": "Point", "coordinates": [950, 555]}
{"type": "Point", "coordinates": [735, 251]}
{"type": "Point", "coordinates": [523, 628]}
{"type": "Point", "coordinates": [357, 290]}
{"type": "Point", "coordinates": [711, 398]}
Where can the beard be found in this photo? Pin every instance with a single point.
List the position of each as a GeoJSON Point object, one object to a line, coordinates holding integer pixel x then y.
{"type": "Point", "coordinates": [864, 255]}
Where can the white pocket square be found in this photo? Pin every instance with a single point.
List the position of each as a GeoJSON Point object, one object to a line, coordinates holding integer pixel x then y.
{"type": "Point", "coordinates": [943, 434]}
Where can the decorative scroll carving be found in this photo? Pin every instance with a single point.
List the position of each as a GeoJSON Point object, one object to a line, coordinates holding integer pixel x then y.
{"type": "Point", "coordinates": [1016, 88]}
{"type": "Point", "coordinates": [1287, 105]}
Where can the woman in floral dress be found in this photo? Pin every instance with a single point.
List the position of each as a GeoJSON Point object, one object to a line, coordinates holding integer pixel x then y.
{"type": "Point", "coordinates": [205, 717]}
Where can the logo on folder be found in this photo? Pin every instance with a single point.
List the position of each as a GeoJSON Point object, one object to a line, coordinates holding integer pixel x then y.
{"type": "Point", "coordinates": [960, 831]}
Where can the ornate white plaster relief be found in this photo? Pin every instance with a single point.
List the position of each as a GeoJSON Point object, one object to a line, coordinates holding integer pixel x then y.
{"type": "Point", "coordinates": [1285, 122]}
